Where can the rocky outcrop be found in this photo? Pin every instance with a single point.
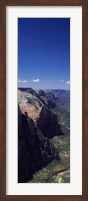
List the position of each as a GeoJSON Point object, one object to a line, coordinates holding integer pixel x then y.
{"type": "Point", "coordinates": [36, 125]}
{"type": "Point", "coordinates": [34, 150]}
{"type": "Point", "coordinates": [41, 93]}
{"type": "Point", "coordinates": [48, 123]}
{"type": "Point", "coordinates": [62, 98]}
{"type": "Point", "coordinates": [48, 98]}
{"type": "Point", "coordinates": [28, 161]}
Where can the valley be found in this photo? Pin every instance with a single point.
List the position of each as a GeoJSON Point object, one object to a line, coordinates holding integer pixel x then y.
{"type": "Point", "coordinates": [43, 136]}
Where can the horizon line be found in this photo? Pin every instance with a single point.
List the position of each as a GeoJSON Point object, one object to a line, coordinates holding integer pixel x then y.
{"type": "Point", "coordinates": [43, 88]}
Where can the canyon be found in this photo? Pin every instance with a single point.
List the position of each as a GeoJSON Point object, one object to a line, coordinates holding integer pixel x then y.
{"type": "Point", "coordinates": [43, 136]}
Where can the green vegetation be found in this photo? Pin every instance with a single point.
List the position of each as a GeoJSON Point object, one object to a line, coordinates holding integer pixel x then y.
{"type": "Point", "coordinates": [51, 173]}
{"type": "Point", "coordinates": [63, 119]}
{"type": "Point", "coordinates": [58, 171]}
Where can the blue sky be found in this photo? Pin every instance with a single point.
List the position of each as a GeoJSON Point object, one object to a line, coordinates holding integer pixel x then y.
{"type": "Point", "coordinates": [44, 53]}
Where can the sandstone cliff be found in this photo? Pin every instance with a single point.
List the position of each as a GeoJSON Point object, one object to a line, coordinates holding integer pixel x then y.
{"type": "Point", "coordinates": [34, 150]}
{"type": "Point", "coordinates": [36, 125]}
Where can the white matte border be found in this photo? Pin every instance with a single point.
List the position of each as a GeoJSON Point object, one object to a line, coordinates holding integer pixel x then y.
{"type": "Point", "coordinates": [75, 15]}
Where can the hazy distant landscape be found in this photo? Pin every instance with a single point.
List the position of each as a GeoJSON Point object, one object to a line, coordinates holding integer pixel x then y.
{"type": "Point", "coordinates": [43, 136]}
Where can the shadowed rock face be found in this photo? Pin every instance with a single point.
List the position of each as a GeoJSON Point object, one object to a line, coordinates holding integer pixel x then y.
{"type": "Point", "coordinates": [29, 155]}
{"type": "Point", "coordinates": [41, 93]}
{"type": "Point", "coordinates": [36, 124]}
{"type": "Point", "coordinates": [37, 146]}
{"type": "Point", "coordinates": [34, 150]}
{"type": "Point", "coordinates": [48, 123]}
{"type": "Point", "coordinates": [48, 98]}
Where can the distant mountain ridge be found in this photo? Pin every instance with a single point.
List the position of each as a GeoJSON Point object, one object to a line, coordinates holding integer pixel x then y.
{"type": "Point", "coordinates": [56, 98]}
{"type": "Point", "coordinates": [60, 96]}
{"type": "Point", "coordinates": [37, 108]}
